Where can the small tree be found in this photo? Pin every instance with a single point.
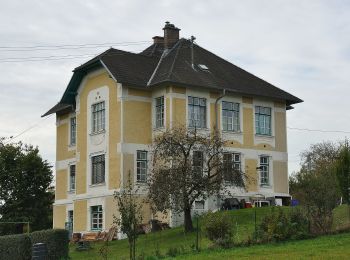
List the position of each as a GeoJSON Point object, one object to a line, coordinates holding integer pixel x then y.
{"type": "Point", "coordinates": [315, 185]}
{"type": "Point", "coordinates": [130, 214]}
{"type": "Point", "coordinates": [187, 165]}
{"type": "Point", "coordinates": [343, 173]}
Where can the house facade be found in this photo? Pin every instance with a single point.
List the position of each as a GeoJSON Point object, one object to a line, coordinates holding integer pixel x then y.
{"type": "Point", "coordinates": [116, 102]}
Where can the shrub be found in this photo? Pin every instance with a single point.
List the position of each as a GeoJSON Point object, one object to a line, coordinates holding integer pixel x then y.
{"type": "Point", "coordinates": [15, 247]}
{"type": "Point", "coordinates": [56, 241]}
{"type": "Point", "coordinates": [280, 225]}
{"type": "Point", "coordinates": [218, 227]}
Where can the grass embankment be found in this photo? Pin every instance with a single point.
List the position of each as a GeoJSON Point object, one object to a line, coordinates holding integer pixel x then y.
{"type": "Point", "coordinates": [325, 247]}
{"type": "Point", "coordinates": [161, 242]}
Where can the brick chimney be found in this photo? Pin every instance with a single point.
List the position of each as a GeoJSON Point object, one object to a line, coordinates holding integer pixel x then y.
{"type": "Point", "coordinates": [158, 40]}
{"type": "Point", "coordinates": [171, 35]}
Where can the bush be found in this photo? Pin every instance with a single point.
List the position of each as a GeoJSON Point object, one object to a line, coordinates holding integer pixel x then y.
{"type": "Point", "coordinates": [56, 241]}
{"type": "Point", "coordinates": [280, 225]}
{"type": "Point", "coordinates": [15, 247]}
{"type": "Point", "coordinates": [218, 227]}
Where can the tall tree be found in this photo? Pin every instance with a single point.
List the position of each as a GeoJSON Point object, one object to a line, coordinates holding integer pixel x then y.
{"type": "Point", "coordinates": [188, 165]}
{"type": "Point", "coordinates": [343, 173]}
{"type": "Point", "coordinates": [25, 186]}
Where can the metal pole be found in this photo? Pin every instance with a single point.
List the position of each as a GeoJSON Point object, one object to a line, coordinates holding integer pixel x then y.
{"type": "Point", "coordinates": [255, 220]}
{"type": "Point", "coordinates": [197, 237]}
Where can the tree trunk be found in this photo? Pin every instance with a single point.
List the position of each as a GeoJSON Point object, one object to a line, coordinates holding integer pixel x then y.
{"type": "Point", "coordinates": [188, 219]}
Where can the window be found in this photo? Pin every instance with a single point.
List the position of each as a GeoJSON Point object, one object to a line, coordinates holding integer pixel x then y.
{"type": "Point", "coordinates": [198, 161]}
{"type": "Point", "coordinates": [98, 117]}
{"type": "Point", "coordinates": [159, 112]}
{"type": "Point", "coordinates": [232, 164]}
{"type": "Point", "coordinates": [230, 116]}
{"type": "Point", "coordinates": [141, 164]}
{"type": "Point", "coordinates": [72, 178]}
{"type": "Point", "coordinates": [70, 216]}
{"type": "Point", "coordinates": [263, 120]}
{"type": "Point", "coordinates": [98, 169]}
{"type": "Point", "coordinates": [73, 130]}
{"type": "Point", "coordinates": [197, 112]}
{"type": "Point", "coordinates": [96, 217]}
{"type": "Point", "coordinates": [264, 170]}
{"type": "Point", "coordinates": [199, 204]}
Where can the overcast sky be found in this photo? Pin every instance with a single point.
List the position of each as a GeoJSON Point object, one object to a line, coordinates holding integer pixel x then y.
{"type": "Point", "coordinates": [302, 47]}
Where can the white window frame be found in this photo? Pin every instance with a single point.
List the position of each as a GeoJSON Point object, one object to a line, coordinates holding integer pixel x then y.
{"type": "Point", "coordinates": [159, 123]}
{"type": "Point", "coordinates": [234, 162]}
{"type": "Point", "coordinates": [73, 131]}
{"type": "Point", "coordinates": [203, 125]}
{"type": "Point", "coordinates": [235, 117]}
{"type": "Point", "coordinates": [72, 186]}
{"type": "Point", "coordinates": [264, 168]}
{"type": "Point", "coordinates": [98, 215]}
{"type": "Point", "coordinates": [256, 119]}
{"type": "Point", "coordinates": [92, 169]}
{"type": "Point", "coordinates": [144, 169]}
{"type": "Point", "coordinates": [100, 114]}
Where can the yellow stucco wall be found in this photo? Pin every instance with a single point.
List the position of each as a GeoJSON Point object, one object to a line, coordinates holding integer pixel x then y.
{"type": "Point", "coordinates": [62, 142]}
{"type": "Point", "coordinates": [280, 131]}
{"type": "Point", "coordinates": [92, 83]}
{"type": "Point", "coordinates": [110, 211]}
{"type": "Point", "coordinates": [59, 216]}
{"type": "Point", "coordinates": [248, 126]}
{"type": "Point", "coordinates": [61, 184]}
{"type": "Point", "coordinates": [128, 167]}
{"type": "Point", "coordinates": [280, 177]}
{"type": "Point", "coordinates": [179, 90]}
{"type": "Point", "coordinates": [179, 111]}
{"type": "Point", "coordinates": [137, 122]}
{"type": "Point", "coordinates": [139, 92]}
{"type": "Point", "coordinates": [80, 215]}
{"type": "Point", "coordinates": [251, 174]}
{"type": "Point", "coordinates": [114, 137]}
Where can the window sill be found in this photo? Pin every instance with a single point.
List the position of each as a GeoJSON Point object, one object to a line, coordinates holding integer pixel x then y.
{"type": "Point", "coordinates": [97, 184]}
{"type": "Point", "coordinates": [266, 186]}
{"type": "Point", "coordinates": [264, 136]}
{"type": "Point", "coordinates": [71, 192]}
{"type": "Point", "coordinates": [198, 128]}
{"type": "Point", "coordinates": [160, 128]}
{"type": "Point", "coordinates": [98, 133]}
{"type": "Point", "coordinates": [141, 183]}
{"type": "Point", "coordinates": [232, 132]}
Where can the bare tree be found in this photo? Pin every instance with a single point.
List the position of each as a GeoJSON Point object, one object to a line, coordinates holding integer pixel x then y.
{"type": "Point", "coordinates": [188, 165]}
{"type": "Point", "coordinates": [130, 214]}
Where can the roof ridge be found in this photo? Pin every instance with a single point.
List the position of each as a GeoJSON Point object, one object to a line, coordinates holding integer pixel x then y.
{"type": "Point", "coordinates": [156, 68]}
{"type": "Point", "coordinates": [179, 43]}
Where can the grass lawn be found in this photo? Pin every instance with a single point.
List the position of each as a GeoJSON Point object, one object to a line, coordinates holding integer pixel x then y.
{"type": "Point", "coordinates": [325, 247]}
{"type": "Point", "coordinates": [244, 221]}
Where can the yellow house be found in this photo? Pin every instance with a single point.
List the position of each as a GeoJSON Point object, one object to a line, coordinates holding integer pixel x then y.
{"type": "Point", "coordinates": [117, 101]}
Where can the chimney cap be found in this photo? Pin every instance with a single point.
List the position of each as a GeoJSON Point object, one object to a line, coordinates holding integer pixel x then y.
{"type": "Point", "coordinates": [171, 26]}
{"type": "Point", "coordinates": [157, 37]}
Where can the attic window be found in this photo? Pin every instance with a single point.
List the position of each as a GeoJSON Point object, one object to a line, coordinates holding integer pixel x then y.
{"type": "Point", "coordinates": [203, 67]}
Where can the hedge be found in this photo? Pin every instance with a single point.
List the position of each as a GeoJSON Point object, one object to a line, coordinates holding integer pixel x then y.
{"type": "Point", "coordinates": [20, 246]}
{"type": "Point", "coordinates": [56, 241]}
{"type": "Point", "coordinates": [15, 247]}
